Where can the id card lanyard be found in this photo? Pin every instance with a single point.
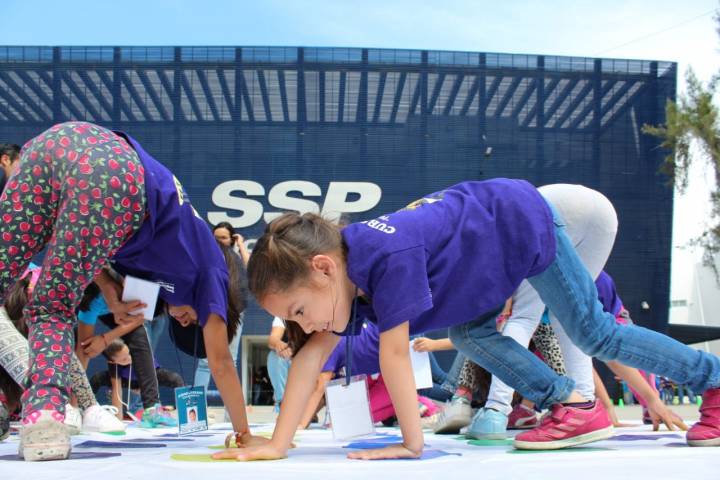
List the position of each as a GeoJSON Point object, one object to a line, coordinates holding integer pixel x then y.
{"type": "Point", "coordinates": [349, 340]}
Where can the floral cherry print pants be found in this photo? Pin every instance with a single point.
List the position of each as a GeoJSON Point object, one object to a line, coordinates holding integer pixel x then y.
{"type": "Point", "coordinates": [80, 191]}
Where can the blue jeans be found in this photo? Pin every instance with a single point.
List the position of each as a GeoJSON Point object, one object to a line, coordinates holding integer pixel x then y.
{"type": "Point", "coordinates": [278, 369]}
{"type": "Point", "coordinates": [568, 290]}
{"type": "Point", "coordinates": [438, 391]}
{"type": "Point", "coordinates": [155, 329]}
{"type": "Point", "coordinates": [202, 374]}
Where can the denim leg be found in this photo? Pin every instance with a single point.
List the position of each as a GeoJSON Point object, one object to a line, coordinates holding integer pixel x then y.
{"type": "Point", "coordinates": [278, 369]}
{"type": "Point", "coordinates": [155, 329]}
{"type": "Point", "coordinates": [451, 380]}
{"type": "Point", "coordinates": [502, 356]}
{"type": "Point", "coordinates": [569, 292]}
{"type": "Point", "coordinates": [202, 374]}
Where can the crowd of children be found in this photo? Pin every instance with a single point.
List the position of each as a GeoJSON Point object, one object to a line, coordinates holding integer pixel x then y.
{"type": "Point", "coordinates": [481, 261]}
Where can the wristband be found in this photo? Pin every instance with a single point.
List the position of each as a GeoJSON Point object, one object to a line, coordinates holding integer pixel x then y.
{"type": "Point", "coordinates": [237, 436]}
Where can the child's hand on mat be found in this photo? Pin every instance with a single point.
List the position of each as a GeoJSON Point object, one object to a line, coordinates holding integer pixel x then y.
{"type": "Point", "coordinates": [263, 452]}
{"type": "Point", "coordinates": [661, 414]}
{"type": "Point", "coordinates": [389, 452]}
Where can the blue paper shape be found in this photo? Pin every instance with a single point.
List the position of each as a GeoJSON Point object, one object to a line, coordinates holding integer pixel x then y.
{"type": "Point", "coordinates": [98, 444]}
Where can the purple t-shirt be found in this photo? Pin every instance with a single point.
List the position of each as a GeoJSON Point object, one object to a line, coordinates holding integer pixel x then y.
{"type": "Point", "coordinates": [174, 246]}
{"type": "Point", "coordinates": [366, 353]}
{"type": "Point", "coordinates": [607, 294]}
{"type": "Point", "coordinates": [452, 256]}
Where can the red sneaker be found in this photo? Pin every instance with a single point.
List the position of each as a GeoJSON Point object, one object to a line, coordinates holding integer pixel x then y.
{"type": "Point", "coordinates": [566, 427]}
{"type": "Point", "coordinates": [522, 418]}
{"type": "Point", "coordinates": [706, 432]}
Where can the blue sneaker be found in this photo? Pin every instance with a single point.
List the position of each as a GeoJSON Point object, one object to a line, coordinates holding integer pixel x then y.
{"type": "Point", "coordinates": [156, 416]}
{"type": "Point", "coordinates": [488, 424]}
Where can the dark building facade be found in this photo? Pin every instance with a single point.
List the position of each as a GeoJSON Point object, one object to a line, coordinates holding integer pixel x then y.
{"type": "Point", "coordinates": [252, 131]}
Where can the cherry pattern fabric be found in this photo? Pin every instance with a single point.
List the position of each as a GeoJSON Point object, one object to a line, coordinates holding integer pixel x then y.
{"type": "Point", "coordinates": [79, 190]}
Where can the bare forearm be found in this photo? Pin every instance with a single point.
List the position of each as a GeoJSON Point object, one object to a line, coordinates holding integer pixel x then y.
{"type": "Point", "coordinates": [397, 373]}
{"type": "Point", "coordinates": [226, 378]}
{"type": "Point", "coordinates": [634, 379]}
{"type": "Point", "coordinates": [314, 401]}
{"type": "Point", "coordinates": [601, 392]}
{"type": "Point", "coordinates": [115, 392]}
{"type": "Point", "coordinates": [304, 369]}
{"type": "Point", "coordinates": [443, 344]}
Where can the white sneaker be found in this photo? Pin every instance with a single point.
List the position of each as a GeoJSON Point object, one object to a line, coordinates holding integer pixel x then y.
{"type": "Point", "coordinates": [103, 419]}
{"type": "Point", "coordinates": [456, 415]}
{"type": "Point", "coordinates": [73, 419]}
{"type": "Point", "coordinates": [44, 437]}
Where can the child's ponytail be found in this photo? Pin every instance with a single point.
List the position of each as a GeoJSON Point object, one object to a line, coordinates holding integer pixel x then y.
{"type": "Point", "coordinates": [281, 256]}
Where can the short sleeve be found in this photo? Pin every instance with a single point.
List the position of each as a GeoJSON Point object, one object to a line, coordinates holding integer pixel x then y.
{"type": "Point", "coordinates": [97, 307]}
{"type": "Point", "coordinates": [336, 360]}
{"type": "Point", "coordinates": [400, 287]}
{"type": "Point", "coordinates": [211, 295]}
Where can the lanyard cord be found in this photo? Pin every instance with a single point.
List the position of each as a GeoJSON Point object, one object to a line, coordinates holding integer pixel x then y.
{"type": "Point", "coordinates": [348, 341]}
{"type": "Point", "coordinates": [119, 393]}
{"type": "Point", "coordinates": [195, 356]}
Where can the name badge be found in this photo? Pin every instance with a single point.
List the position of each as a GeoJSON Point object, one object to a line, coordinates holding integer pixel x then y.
{"type": "Point", "coordinates": [349, 408]}
{"type": "Point", "coordinates": [191, 405]}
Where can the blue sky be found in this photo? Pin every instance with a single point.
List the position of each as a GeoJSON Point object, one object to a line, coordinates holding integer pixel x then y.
{"type": "Point", "coordinates": [681, 31]}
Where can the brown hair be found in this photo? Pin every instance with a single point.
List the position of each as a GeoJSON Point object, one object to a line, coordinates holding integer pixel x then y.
{"type": "Point", "coordinates": [237, 290]}
{"type": "Point", "coordinates": [113, 348]}
{"type": "Point", "coordinates": [15, 301]}
{"type": "Point", "coordinates": [281, 258]}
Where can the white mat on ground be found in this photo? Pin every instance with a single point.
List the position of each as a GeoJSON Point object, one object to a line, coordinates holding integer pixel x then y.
{"type": "Point", "coordinates": [634, 452]}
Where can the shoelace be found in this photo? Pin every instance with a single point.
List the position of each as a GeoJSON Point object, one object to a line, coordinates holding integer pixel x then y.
{"type": "Point", "coordinates": [110, 408]}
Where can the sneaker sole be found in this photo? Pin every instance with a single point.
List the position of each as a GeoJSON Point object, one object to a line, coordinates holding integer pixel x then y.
{"type": "Point", "coordinates": [595, 436]}
{"type": "Point", "coordinates": [713, 442]}
{"type": "Point", "coordinates": [39, 442]}
{"type": "Point", "coordinates": [486, 436]}
{"type": "Point", "coordinates": [453, 425]}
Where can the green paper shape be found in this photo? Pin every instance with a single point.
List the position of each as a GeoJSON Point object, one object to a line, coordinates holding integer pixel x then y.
{"type": "Point", "coordinates": [516, 451]}
{"type": "Point", "coordinates": [491, 443]}
{"type": "Point", "coordinates": [197, 457]}
{"type": "Point", "coordinates": [117, 434]}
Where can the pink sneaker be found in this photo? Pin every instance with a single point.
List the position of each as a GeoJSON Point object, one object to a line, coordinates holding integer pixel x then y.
{"type": "Point", "coordinates": [522, 418]}
{"type": "Point", "coordinates": [706, 432]}
{"type": "Point", "coordinates": [567, 427]}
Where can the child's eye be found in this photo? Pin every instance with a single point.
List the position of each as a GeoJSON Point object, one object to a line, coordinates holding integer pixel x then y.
{"type": "Point", "coordinates": [300, 312]}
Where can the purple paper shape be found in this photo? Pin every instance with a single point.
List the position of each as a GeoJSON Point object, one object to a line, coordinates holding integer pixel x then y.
{"type": "Point", "coordinates": [175, 435]}
{"type": "Point", "coordinates": [73, 456]}
{"type": "Point", "coordinates": [154, 440]}
{"type": "Point", "coordinates": [634, 438]}
{"type": "Point", "coordinates": [98, 444]}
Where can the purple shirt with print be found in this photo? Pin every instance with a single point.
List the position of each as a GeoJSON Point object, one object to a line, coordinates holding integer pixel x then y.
{"type": "Point", "coordinates": [174, 246]}
{"type": "Point", "coordinates": [366, 353]}
{"type": "Point", "coordinates": [452, 256]}
{"type": "Point", "coordinates": [611, 301]}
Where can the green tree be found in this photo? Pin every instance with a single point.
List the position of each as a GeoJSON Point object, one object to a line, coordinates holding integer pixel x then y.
{"type": "Point", "coordinates": [692, 121]}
